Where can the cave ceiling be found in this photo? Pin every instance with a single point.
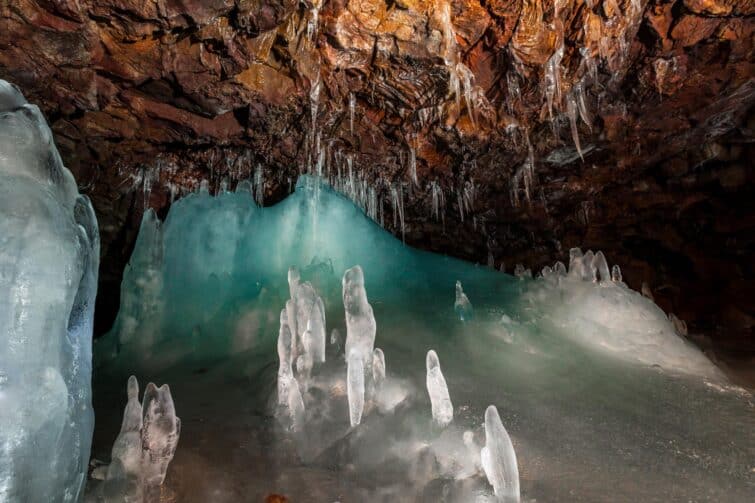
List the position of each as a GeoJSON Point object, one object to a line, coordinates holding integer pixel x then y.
{"type": "Point", "coordinates": [514, 129]}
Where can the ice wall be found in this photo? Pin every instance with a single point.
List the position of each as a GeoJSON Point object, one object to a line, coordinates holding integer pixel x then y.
{"type": "Point", "coordinates": [49, 258]}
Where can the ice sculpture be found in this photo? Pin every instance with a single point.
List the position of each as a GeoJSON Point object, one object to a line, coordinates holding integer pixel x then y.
{"type": "Point", "coordinates": [144, 447]}
{"type": "Point", "coordinates": [355, 386]}
{"type": "Point", "coordinates": [443, 410]}
{"type": "Point", "coordinates": [49, 259]}
{"type": "Point", "coordinates": [499, 460]}
{"type": "Point", "coordinates": [462, 306]}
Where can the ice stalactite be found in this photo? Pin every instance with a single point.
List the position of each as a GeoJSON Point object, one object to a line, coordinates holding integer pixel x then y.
{"type": "Point", "coordinates": [524, 176]}
{"type": "Point", "coordinates": [571, 112]}
{"type": "Point", "coordinates": [499, 459]}
{"type": "Point", "coordinates": [397, 203]}
{"type": "Point", "coordinates": [144, 447]}
{"type": "Point", "coordinates": [462, 306]}
{"type": "Point", "coordinates": [49, 260]}
{"type": "Point", "coordinates": [552, 70]}
{"type": "Point", "coordinates": [438, 201]}
{"type": "Point", "coordinates": [461, 80]}
{"type": "Point", "coordinates": [259, 185]}
{"type": "Point", "coordinates": [442, 408]}
{"type": "Point", "coordinates": [413, 166]}
{"type": "Point", "coordinates": [352, 109]}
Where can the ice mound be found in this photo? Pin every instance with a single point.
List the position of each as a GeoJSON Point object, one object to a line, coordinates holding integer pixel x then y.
{"type": "Point", "coordinates": [49, 259]}
{"type": "Point", "coordinates": [589, 379]}
{"type": "Point", "coordinates": [595, 308]}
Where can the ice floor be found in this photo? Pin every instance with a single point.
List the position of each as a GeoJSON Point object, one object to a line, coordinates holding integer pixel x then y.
{"type": "Point", "coordinates": [602, 400]}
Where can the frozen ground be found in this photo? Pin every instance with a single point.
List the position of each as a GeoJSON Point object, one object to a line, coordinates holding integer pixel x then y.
{"type": "Point", "coordinates": [602, 400]}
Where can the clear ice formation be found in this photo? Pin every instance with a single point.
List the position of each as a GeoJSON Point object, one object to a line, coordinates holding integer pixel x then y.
{"type": "Point", "coordinates": [462, 306]}
{"type": "Point", "coordinates": [588, 375]}
{"type": "Point", "coordinates": [499, 459]}
{"type": "Point", "coordinates": [49, 260]}
{"type": "Point", "coordinates": [290, 402]}
{"type": "Point", "coordinates": [355, 386]}
{"type": "Point", "coordinates": [440, 401]}
{"type": "Point", "coordinates": [144, 447]}
{"type": "Point", "coordinates": [360, 320]}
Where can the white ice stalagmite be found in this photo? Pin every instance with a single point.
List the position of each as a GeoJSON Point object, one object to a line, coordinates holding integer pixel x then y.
{"type": "Point", "coordinates": [290, 402]}
{"type": "Point", "coordinates": [123, 479]}
{"type": "Point", "coordinates": [360, 320]}
{"type": "Point", "coordinates": [616, 274]}
{"type": "Point", "coordinates": [462, 306]}
{"type": "Point", "coordinates": [49, 259]}
{"type": "Point", "coordinates": [442, 408]}
{"type": "Point", "coordinates": [160, 431]}
{"type": "Point", "coordinates": [355, 386]}
{"type": "Point", "coordinates": [601, 266]}
{"type": "Point", "coordinates": [378, 368]}
{"type": "Point", "coordinates": [305, 312]}
{"type": "Point", "coordinates": [144, 447]}
{"type": "Point", "coordinates": [499, 460]}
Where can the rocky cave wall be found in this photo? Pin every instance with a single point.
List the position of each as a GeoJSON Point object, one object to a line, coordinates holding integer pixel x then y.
{"type": "Point", "coordinates": [484, 100]}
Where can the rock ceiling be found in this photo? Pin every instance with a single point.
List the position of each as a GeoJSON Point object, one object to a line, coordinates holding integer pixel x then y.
{"type": "Point", "coordinates": [514, 129]}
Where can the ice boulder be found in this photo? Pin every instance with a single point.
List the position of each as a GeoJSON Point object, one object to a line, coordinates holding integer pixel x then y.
{"type": "Point", "coordinates": [49, 258]}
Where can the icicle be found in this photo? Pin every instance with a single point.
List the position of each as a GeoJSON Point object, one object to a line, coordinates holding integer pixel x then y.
{"type": "Point", "coordinates": [352, 108]}
{"type": "Point", "coordinates": [579, 92]}
{"type": "Point", "coordinates": [314, 100]}
{"type": "Point", "coordinates": [397, 200]}
{"type": "Point", "coordinates": [571, 111]}
{"type": "Point", "coordinates": [413, 166]}
{"type": "Point", "coordinates": [438, 201]}
{"type": "Point", "coordinates": [259, 185]}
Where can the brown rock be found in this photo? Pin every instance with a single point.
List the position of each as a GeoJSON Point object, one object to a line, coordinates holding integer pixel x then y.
{"type": "Point", "coordinates": [692, 29]}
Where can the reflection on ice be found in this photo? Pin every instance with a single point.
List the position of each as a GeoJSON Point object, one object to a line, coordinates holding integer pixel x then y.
{"type": "Point", "coordinates": [594, 395]}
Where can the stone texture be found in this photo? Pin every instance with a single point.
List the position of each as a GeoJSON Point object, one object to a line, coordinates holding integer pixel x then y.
{"type": "Point", "coordinates": [164, 93]}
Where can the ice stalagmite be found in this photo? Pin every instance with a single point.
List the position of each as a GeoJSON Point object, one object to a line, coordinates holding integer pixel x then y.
{"type": "Point", "coordinates": [290, 401]}
{"type": "Point", "coordinates": [443, 410]}
{"type": "Point", "coordinates": [378, 368]}
{"type": "Point", "coordinates": [49, 259]}
{"type": "Point", "coordinates": [123, 479]}
{"type": "Point", "coordinates": [144, 447]}
{"type": "Point", "coordinates": [499, 459]}
{"type": "Point", "coordinates": [462, 306]}
{"type": "Point", "coordinates": [355, 386]}
{"type": "Point", "coordinates": [360, 321]}
{"type": "Point", "coordinates": [160, 431]}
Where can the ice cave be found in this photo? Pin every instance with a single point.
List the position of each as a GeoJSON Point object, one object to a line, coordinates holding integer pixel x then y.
{"type": "Point", "coordinates": [345, 251]}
